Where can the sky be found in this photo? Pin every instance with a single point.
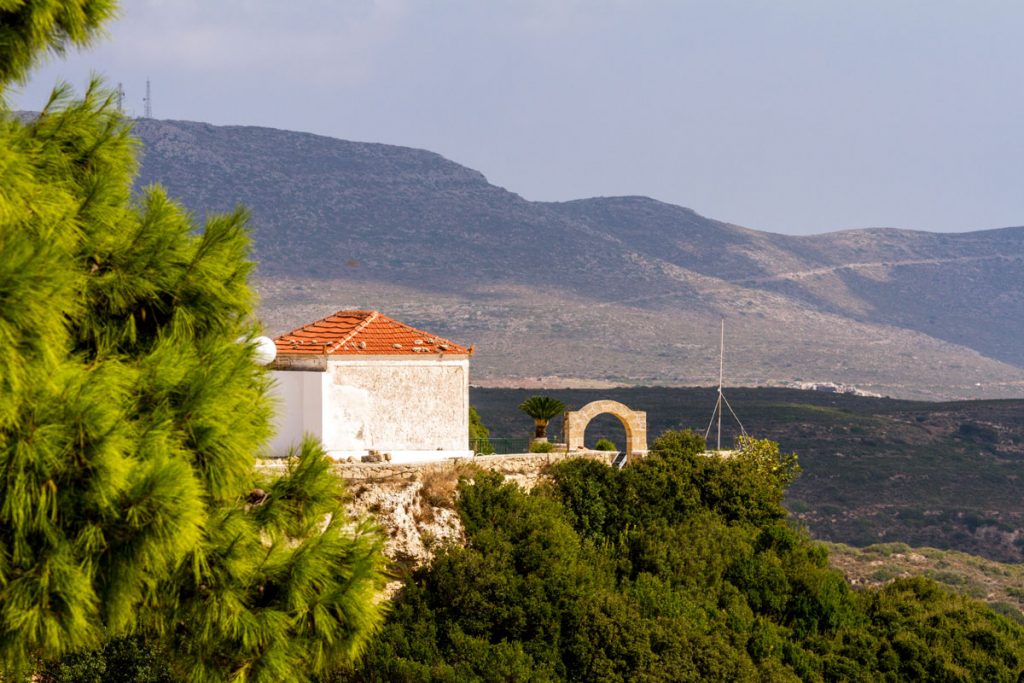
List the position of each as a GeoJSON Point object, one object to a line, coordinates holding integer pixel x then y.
{"type": "Point", "coordinates": [790, 116]}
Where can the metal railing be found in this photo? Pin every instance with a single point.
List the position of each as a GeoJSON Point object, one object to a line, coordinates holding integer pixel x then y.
{"type": "Point", "coordinates": [500, 446]}
{"type": "Point", "coordinates": [506, 445]}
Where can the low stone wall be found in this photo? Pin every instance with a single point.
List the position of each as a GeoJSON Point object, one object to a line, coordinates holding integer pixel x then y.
{"type": "Point", "coordinates": [523, 468]}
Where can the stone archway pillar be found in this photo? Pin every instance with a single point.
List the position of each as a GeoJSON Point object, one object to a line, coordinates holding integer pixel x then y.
{"type": "Point", "coordinates": [633, 421]}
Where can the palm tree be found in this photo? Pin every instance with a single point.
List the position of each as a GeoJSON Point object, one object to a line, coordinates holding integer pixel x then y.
{"type": "Point", "coordinates": [541, 409]}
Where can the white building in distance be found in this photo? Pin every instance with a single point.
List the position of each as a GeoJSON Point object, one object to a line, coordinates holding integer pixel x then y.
{"type": "Point", "coordinates": [364, 384]}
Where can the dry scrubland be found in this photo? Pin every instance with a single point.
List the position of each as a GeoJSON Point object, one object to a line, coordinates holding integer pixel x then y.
{"type": "Point", "coordinates": [997, 583]}
{"type": "Point", "coordinates": [527, 336]}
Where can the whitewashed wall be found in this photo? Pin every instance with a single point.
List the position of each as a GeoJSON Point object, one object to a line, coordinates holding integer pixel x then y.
{"type": "Point", "coordinates": [299, 409]}
{"type": "Point", "coordinates": [416, 409]}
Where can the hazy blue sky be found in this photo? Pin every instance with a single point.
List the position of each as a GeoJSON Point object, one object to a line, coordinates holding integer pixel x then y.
{"type": "Point", "coordinates": [779, 115]}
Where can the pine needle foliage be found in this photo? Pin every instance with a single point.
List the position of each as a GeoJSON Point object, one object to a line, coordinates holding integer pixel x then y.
{"type": "Point", "coordinates": [31, 28]}
{"type": "Point", "coordinates": [131, 412]}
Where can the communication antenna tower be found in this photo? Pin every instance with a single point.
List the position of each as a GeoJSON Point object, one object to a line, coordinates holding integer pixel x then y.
{"type": "Point", "coordinates": [120, 98]}
{"type": "Point", "coordinates": [148, 100]}
{"type": "Point", "coordinates": [722, 400]}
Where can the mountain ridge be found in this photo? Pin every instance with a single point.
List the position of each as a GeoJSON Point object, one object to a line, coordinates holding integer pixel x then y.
{"type": "Point", "coordinates": [548, 288]}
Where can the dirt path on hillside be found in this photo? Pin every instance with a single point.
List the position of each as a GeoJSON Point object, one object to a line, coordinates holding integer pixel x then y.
{"type": "Point", "coordinates": [828, 270]}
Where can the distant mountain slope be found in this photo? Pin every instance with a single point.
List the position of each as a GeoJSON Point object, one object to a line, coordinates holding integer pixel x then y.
{"type": "Point", "coordinates": [965, 288]}
{"type": "Point", "coordinates": [620, 289]}
{"type": "Point", "coordinates": [319, 204]}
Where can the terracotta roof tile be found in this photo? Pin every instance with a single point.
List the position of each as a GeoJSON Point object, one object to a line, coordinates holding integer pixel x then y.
{"type": "Point", "coordinates": [362, 333]}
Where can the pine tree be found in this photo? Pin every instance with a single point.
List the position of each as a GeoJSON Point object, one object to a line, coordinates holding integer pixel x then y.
{"type": "Point", "coordinates": [131, 412]}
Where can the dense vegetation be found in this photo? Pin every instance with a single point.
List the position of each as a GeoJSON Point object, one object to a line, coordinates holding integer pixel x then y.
{"type": "Point", "coordinates": [678, 567]}
{"type": "Point", "coordinates": [945, 475]}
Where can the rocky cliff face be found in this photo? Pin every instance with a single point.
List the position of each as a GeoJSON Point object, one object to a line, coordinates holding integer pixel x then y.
{"type": "Point", "coordinates": [415, 504]}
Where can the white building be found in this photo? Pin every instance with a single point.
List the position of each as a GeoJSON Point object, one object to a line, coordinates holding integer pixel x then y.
{"type": "Point", "coordinates": [360, 381]}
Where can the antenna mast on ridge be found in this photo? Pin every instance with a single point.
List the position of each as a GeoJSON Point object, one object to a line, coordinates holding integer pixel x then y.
{"type": "Point", "coordinates": [148, 100]}
{"type": "Point", "coordinates": [120, 98]}
{"type": "Point", "coordinates": [721, 396]}
{"type": "Point", "coordinates": [721, 378]}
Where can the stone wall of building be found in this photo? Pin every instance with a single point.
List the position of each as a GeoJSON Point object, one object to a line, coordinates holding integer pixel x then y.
{"type": "Point", "coordinates": [398, 404]}
{"type": "Point", "coordinates": [414, 409]}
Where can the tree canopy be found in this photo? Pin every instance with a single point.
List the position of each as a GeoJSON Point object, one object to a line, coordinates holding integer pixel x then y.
{"type": "Point", "coordinates": [131, 413]}
{"type": "Point", "coordinates": [679, 567]}
{"type": "Point", "coordinates": [542, 407]}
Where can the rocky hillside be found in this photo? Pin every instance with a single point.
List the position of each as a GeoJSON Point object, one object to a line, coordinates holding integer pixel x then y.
{"type": "Point", "coordinates": [999, 584]}
{"type": "Point", "coordinates": [622, 290]}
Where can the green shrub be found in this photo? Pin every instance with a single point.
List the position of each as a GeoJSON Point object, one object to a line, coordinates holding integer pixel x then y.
{"type": "Point", "coordinates": [121, 660]}
{"type": "Point", "coordinates": [605, 445]}
{"type": "Point", "coordinates": [976, 432]}
{"type": "Point", "coordinates": [479, 435]}
{"type": "Point", "coordinates": [542, 447]}
{"type": "Point", "coordinates": [888, 549]}
{"type": "Point", "coordinates": [1007, 610]}
{"type": "Point", "coordinates": [886, 573]}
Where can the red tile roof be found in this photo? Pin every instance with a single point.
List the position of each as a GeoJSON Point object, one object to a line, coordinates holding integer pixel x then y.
{"type": "Point", "coordinates": [367, 333]}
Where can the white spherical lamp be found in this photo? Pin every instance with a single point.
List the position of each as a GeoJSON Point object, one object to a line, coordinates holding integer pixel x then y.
{"type": "Point", "coordinates": [264, 350]}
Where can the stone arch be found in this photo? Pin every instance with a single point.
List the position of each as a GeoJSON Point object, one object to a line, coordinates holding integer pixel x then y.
{"type": "Point", "coordinates": [633, 421]}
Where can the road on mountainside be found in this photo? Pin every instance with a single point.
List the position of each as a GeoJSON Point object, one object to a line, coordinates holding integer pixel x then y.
{"type": "Point", "coordinates": [814, 272]}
